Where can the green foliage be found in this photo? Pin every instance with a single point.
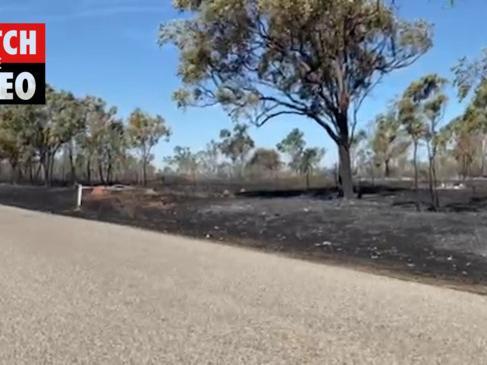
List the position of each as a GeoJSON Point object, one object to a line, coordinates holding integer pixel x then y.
{"type": "Point", "coordinates": [469, 74]}
{"type": "Point", "coordinates": [468, 132]}
{"type": "Point", "coordinates": [428, 101]}
{"type": "Point", "coordinates": [422, 109]}
{"type": "Point", "coordinates": [293, 145]}
{"type": "Point", "coordinates": [317, 63]}
{"type": "Point", "coordinates": [302, 160]}
{"type": "Point", "coordinates": [236, 144]}
{"type": "Point", "coordinates": [145, 131]}
{"type": "Point", "coordinates": [359, 137]}
{"type": "Point", "coordinates": [475, 117]}
{"type": "Point", "coordinates": [310, 160]}
{"type": "Point", "coordinates": [103, 141]}
{"type": "Point", "coordinates": [11, 146]}
{"type": "Point", "coordinates": [86, 133]}
{"type": "Point", "coordinates": [388, 142]}
{"type": "Point", "coordinates": [422, 105]}
{"type": "Point", "coordinates": [409, 119]}
{"type": "Point", "coordinates": [260, 60]}
{"type": "Point", "coordinates": [184, 161]}
{"type": "Point", "coordinates": [39, 131]}
{"type": "Point", "coordinates": [266, 160]}
{"type": "Point", "coordinates": [209, 159]}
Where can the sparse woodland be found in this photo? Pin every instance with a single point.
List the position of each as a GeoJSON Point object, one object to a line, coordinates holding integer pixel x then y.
{"type": "Point", "coordinates": [71, 139]}
{"type": "Point", "coordinates": [259, 61]}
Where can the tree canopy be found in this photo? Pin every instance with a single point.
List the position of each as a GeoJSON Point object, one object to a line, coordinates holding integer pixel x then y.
{"type": "Point", "coordinates": [259, 60]}
{"type": "Point", "coordinates": [144, 132]}
{"type": "Point", "coordinates": [388, 141]}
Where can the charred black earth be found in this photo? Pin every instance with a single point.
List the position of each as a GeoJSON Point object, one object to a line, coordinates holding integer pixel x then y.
{"type": "Point", "coordinates": [381, 232]}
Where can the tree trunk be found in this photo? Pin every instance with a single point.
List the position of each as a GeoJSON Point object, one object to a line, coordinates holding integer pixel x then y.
{"type": "Point", "coordinates": [45, 160]}
{"type": "Point", "coordinates": [432, 177]}
{"type": "Point", "coordinates": [109, 168]}
{"type": "Point", "coordinates": [88, 171]}
{"type": "Point", "coordinates": [345, 171]}
{"type": "Point", "coordinates": [483, 151]}
{"type": "Point", "coordinates": [109, 173]}
{"type": "Point", "coordinates": [387, 171]}
{"type": "Point", "coordinates": [72, 165]}
{"type": "Point", "coordinates": [100, 172]}
{"type": "Point", "coordinates": [31, 171]}
{"type": "Point", "coordinates": [416, 178]}
{"type": "Point", "coordinates": [15, 175]}
{"type": "Point", "coordinates": [63, 170]}
{"type": "Point", "coordinates": [144, 172]}
{"type": "Point", "coordinates": [51, 166]}
{"type": "Point", "coordinates": [45, 168]}
{"type": "Point", "coordinates": [372, 173]}
{"type": "Point", "coordinates": [307, 181]}
{"type": "Point", "coordinates": [20, 174]}
{"type": "Point", "coordinates": [436, 197]}
{"type": "Point", "coordinates": [38, 171]}
{"type": "Point", "coordinates": [430, 184]}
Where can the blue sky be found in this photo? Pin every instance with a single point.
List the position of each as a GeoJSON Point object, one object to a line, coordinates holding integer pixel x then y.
{"type": "Point", "coordinates": [109, 48]}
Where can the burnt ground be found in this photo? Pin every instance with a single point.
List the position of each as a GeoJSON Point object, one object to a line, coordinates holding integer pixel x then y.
{"type": "Point", "coordinates": [381, 232]}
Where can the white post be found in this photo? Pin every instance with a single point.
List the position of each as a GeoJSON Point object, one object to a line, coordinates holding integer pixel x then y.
{"type": "Point", "coordinates": [79, 197]}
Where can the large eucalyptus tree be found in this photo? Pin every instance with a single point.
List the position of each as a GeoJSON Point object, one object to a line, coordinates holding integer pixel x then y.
{"type": "Point", "coordinates": [319, 59]}
{"type": "Point", "coordinates": [421, 110]}
{"type": "Point", "coordinates": [144, 132]}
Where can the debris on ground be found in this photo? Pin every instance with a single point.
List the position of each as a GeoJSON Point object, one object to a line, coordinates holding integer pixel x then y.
{"type": "Point", "coordinates": [381, 230]}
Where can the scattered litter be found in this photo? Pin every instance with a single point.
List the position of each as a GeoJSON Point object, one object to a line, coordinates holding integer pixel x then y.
{"type": "Point", "coordinates": [455, 186]}
{"type": "Point", "coordinates": [324, 244]}
{"type": "Point", "coordinates": [150, 192]}
{"type": "Point", "coordinates": [119, 187]}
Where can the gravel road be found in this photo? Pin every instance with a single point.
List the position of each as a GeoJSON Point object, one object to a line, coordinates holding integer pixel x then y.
{"type": "Point", "coordinates": [79, 292]}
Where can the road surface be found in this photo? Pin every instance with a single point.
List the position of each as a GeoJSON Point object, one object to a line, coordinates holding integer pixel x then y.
{"type": "Point", "coordinates": [79, 292]}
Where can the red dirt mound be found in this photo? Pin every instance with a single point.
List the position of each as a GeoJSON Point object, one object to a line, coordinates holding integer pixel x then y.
{"type": "Point", "coordinates": [99, 192]}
